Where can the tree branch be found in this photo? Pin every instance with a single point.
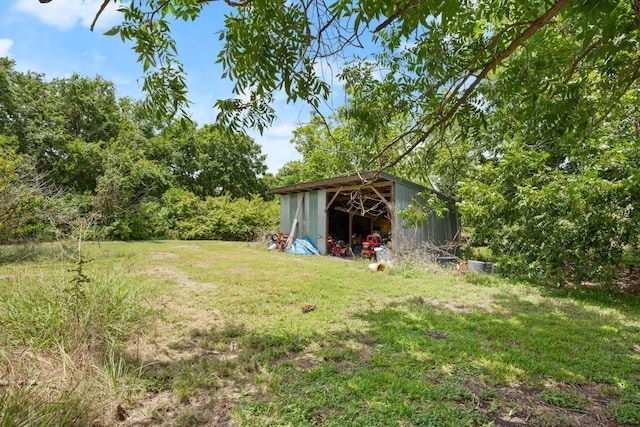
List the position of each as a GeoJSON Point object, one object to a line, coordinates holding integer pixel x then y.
{"type": "Point", "coordinates": [393, 17]}
{"type": "Point", "coordinates": [95, 18]}
{"type": "Point", "coordinates": [540, 22]}
{"type": "Point", "coordinates": [579, 58]}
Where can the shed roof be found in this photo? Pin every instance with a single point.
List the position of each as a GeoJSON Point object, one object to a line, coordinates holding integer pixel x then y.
{"type": "Point", "coordinates": [355, 180]}
{"type": "Point", "coordinates": [343, 181]}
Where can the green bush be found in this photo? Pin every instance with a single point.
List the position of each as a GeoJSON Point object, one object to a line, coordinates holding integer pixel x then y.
{"type": "Point", "coordinates": [557, 226]}
{"type": "Point", "coordinates": [144, 221]}
{"type": "Point", "coordinates": [218, 218]}
{"type": "Point", "coordinates": [481, 253]}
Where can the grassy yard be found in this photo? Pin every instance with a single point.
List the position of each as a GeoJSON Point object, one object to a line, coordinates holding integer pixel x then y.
{"type": "Point", "coordinates": [216, 333]}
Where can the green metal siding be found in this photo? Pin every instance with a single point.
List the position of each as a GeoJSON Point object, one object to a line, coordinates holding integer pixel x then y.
{"type": "Point", "coordinates": [315, 218]}
{"type": "Point", "coordinates": [434, 231]}
{"type": "Point", "coordinates": [287, 211]}
{"type": "Point", "coordinates": [312, 226]}
{"type": "Point", "coordinates": [312, 220]}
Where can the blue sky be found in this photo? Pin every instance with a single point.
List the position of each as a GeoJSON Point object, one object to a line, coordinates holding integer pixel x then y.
{"type": "Point", "coordinates": [54, 39]}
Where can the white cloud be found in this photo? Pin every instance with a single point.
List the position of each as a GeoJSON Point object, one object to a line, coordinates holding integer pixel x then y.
{"type": "Point", "coordinates": [280, 131]}
{"type": "Point", "coordinates": [66, 14]}
{"type": "Point", "coordinates": [5, 46]}
{"type": "Point", "coordinates": [278, 150]}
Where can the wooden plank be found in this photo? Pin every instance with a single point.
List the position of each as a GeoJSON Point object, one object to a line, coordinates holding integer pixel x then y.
{"type": "Point", "coordinates": [350, 229]}
{"type": "Point", "coordinates": [366, 186]}
{"type": "Point", "coordinates": [332, 200]}
{"type": "Point", "coordinates": [386, 202]}
{"type": "Point", "coordinates": [356, 212]}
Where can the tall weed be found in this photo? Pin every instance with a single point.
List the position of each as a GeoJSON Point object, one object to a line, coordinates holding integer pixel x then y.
{"type": "Point", "coordinates": [47, 314]}
{"type": "Point", "coordinates": [28, 406]}
{"type": "Point", "coordinates": [58, 335]}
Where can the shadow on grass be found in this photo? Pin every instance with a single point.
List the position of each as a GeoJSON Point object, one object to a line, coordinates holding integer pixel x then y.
{"type": "Point", "coordinates": [25, 252]}
{"type": "Point", "coordinates": [214, 369]}
{"type": "Point", "coordinates": [523, 361]}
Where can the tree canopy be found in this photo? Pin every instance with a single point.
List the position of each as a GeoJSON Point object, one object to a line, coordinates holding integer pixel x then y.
{"type": "Point", "coordinates": [70, 150]}
{"type": "Point", "coordinates": [436, 56]}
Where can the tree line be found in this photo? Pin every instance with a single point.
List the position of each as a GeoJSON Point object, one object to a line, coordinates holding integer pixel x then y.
{"type": "Point", "coordinates": [72, 151]}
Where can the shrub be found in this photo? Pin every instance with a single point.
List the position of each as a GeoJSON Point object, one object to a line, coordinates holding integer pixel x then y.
{"type": "Point", "coordinates": [220, 218]}
{"type": "Point", "coordinates": [144, 221]}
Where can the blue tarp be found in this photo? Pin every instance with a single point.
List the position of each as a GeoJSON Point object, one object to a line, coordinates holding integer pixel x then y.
{"type": "Point", "coordinates": [303, 246]}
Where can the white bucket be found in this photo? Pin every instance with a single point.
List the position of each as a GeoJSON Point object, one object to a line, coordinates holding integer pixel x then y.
{"type": "Point", "coordinates": [377, 266]}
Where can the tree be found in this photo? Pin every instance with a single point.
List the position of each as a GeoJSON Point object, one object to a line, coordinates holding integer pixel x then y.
{"type": "Point", "coordinates": [341, 144]}
{"type": "Point", "coordinates": [558, 208]}
{"type": "Point", "coordinates": [441, 50]}
{"type": "Point", "coordinates": [292, 172]}
{"type": "Point", "coordinates": [212, 162]}
{"type": "Point", "coordinates": [328, 148]}
{"type": "Point", "coordinates": [63, 125]}
{"type": "Point", "coordinates": [26, 104]}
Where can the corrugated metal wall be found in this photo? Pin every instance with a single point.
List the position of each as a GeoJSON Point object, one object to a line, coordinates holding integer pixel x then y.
{"type": "Point", "coordinates": [317, 218]}
{"type": "Point", "coordinates": [435, 231]}
{"type": "Point", "coordinates": [286, 214]}
{"type": "Point", "coordinates": [312, 220]}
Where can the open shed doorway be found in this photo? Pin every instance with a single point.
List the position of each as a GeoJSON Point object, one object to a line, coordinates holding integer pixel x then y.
{"type": "Point", "coordinates": [355, 213]}
{"type": "Point", "coordinates": [353, 229]}
{"type": "Point", "coordinates": [343, 226]}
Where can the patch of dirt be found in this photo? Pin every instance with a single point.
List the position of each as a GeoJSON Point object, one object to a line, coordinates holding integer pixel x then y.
{"type": "Point", "coordinates": [197, 248]}
{"type": "Point", "coordinates": [521, 405]}
{"type": "Point", "coordinates": [625, 280]}
{"type": "Point", "coordinates": [171, 342]}
{"type": "Point", "coordinates": [307, 361]}
{"type": "Point", "coordinates": [165, 409]}
{"type": "Point", "coordinates": [175, 275]}
{"type": "Point", "coordinates": [203, 264]}
{"type": "Point", "coordinates": [453, 306]}
{"type": "Point", "coordinates": [181, 313]}
{"type": "Point", "coordinates": [628, 280]}
{"type": "Point", "coordinates": [304, 275]}
{"type": "Point", "coordinates": [162, 256]}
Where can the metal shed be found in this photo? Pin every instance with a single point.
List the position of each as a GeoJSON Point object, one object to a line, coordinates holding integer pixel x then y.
{"type": "Point", "coordinates": [357, 205]}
